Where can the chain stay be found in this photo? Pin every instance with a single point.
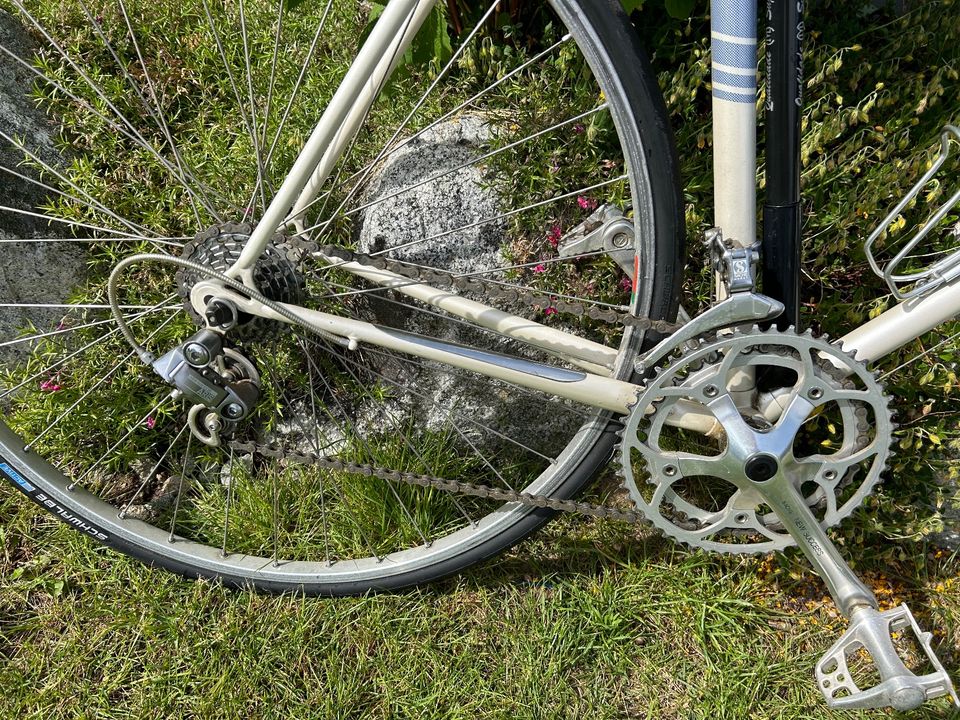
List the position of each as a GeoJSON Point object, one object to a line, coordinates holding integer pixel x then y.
{"type": "Point", "coordinates": [507, 293]}
{"type": "Point", "coordinates": [428, 481]}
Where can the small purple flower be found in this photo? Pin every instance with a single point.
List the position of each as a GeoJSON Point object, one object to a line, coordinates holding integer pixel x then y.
{"type": "Point", "coordinates": [539, 268]}
{"type": "Point", "coordinates": [587, 203]}
{"type": "Point", "coordinates": [579, 128]}
{"type": "Point", "coordinates": [549, 310]}
{"type": "Point", "coordinates": [626, 283]}
{"type": "Point", "coordinates": [151, 422]}
{"type": "Point", "coordinates": [50, 385]}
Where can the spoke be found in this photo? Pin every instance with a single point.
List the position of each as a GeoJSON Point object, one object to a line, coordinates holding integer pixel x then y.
{"type": "Point", "coordinates": [71, 223]}
{"type": "Point", "coordinates": [158, 117]}
{"type": "Point", "coordinates": [477, 273]}
{"type": "Point", "coordinates": [226, 509]}
{"type": "Point", "coordinates": [64, 360]}
{"type": "Point", "coordinates": [153, 471]}
{"type": "Point", "coordinates": [84, 306]}
{"type": "Point", "coordinates": [263, 182]}
{"type": "Point", "coordinates": [470, 163]}
{"type": "Point", "coordinates": [176, 242]}
{"type": "Point", "coordinates": [87, 200]}
{"type": "Point", "coordinates": [462, 105]}
{"type": "Point", "coordinates": [134, 428]}
{"type": "Point", "coordinates": [276, 519]}
{"type": "Point", "coordinates": [299, 83]}
{"type": "Point", "coordinates": [459, 416]}
{"type": "Point", "coordinates": [129, 131]}
{"type": "Point", "coordinates": [315, 439]}
{"type": "Point", "coordinates": [273, 73]}
{"type": "Point", "coordinates": [343, 497]}
{"type": "Point", "coordinates": [186, 469]}
{"type": "Point", "coordinates": [413, 111]}
{"type": "Point", "coordinates": [61, 331]}
{"type": "Point", "coordinates": [372, 459]}
{"type": "Point", "coordinates": [428, 466]}
{"type": "Point", "coordinates": [233, 84]}
{"type": "Point", "coordinates": [106, 376]}
{"type": "Point", "coordinates": [497, 218]}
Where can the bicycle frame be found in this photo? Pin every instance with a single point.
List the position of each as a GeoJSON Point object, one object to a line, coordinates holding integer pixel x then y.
{"type": "Point", "coordinates": [734, 88]}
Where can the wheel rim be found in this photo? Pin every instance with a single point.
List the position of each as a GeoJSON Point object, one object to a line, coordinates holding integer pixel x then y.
{"type": "Point", "coordinates": [54, 409]}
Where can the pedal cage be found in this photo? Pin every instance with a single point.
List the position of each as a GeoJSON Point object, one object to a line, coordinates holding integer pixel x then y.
{"type": "Point", "coordinates": [900, 687]}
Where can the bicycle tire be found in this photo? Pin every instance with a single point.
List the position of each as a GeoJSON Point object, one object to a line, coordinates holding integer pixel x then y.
{"type": "Point", "coordinates": [603, 34]}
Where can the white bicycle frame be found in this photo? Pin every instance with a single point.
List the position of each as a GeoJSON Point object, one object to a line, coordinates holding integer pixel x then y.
{"type": "Point", "coordinates": [734, 123]}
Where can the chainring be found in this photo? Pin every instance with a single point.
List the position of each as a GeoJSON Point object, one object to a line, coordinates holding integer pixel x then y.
{"type": "Point", "coordinates": [679, 480]}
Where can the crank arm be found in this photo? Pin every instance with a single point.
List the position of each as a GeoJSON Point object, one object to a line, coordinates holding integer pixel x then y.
{"type": "Point", "coordinates": [738, 309]}
{"type": "Point", "coordinates": [870, 629]}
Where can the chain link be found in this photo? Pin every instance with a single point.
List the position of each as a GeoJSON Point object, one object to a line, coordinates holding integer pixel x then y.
{"type": "Point", "coordinates": [297, 249]}
{"type": "Point", "coordinates": [456, 487]}
{"type": "Point", "coordinates": [507, 293]}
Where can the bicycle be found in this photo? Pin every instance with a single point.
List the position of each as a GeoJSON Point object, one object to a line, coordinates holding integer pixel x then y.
{"type": "Point", "coordinates": [340, 382]}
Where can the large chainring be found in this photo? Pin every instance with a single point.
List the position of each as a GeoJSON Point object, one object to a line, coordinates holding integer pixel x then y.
{"type": "Point", "coordinates": [685, 483]}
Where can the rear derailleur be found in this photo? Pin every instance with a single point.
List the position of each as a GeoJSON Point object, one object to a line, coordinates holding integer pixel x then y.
{"type": "Point", "coordinates": [222, 383]}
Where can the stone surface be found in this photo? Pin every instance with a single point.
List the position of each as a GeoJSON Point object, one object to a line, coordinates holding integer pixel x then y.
{"type": "Point", "coordinates": [21, 119]}
{"type": "Point", "coordinates": [410, 211]}
{"type": "Point", "coordinates": [30, 272]}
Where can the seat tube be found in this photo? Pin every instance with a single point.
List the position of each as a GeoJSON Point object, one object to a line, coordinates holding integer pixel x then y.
{"type": "Point", "coordinates": [733, 39]}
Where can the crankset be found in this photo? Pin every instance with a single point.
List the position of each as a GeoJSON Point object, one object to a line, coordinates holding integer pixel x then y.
{"type": "Point", "coordinates": [796, 453]}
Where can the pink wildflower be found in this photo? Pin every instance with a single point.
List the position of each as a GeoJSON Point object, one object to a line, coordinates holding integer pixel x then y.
{"type": "Point", "coordinates": [539, 268]}
{"type": "Point", "coordinates": [579, 128]}
{"type": "Point", "coordinates": [626, 283]}
{"type": "Point", "coordinates": [51, 385]}
{"type": "Point", "coordinates": [554, 234]}
{"type": "Point", "coordinates": [549, 310]}
{"type": "Point", "coordinates": [587, 203]}
{"type": "Point", "coordinates": [151, 422]}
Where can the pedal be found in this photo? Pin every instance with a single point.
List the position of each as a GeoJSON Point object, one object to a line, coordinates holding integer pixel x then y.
{"type": "Point", "coordinates": [899, 687]}
{"type": "Point", "coordinates": [919, 280]}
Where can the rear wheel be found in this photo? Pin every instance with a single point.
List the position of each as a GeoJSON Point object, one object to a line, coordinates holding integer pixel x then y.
{"type": "Point", "coordinates": [177, 146]}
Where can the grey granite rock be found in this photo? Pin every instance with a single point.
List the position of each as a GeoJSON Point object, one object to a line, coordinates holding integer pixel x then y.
{"type": "Point", "coordinates": [30, 272]}
{"type": "Point", "coordinates": [416, 213]}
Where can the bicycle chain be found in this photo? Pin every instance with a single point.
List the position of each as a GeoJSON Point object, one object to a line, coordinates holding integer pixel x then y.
{"type": "Point", "coordinates": [298, 248]}
{"type": "Point", "coordinates": [457, 487]}
{"type": "Point", "coordinates": [489, 288]}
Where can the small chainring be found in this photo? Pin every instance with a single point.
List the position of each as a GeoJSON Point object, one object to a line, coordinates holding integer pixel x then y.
{"type": "Point", "coordinates": [682, 481]}
{"type": "Point", "coordinates": [276, 275]}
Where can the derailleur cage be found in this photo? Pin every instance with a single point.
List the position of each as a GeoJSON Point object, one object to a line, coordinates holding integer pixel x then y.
{"type": "Point", "coordinates": [222, 384]}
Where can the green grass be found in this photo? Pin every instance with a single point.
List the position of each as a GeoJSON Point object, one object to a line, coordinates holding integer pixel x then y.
{"type": "Point", "coordinates": [590, 618]}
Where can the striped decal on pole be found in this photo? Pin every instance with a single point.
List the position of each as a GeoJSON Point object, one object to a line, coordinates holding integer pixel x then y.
{"type": "Point", "coordinates": [733, 39]}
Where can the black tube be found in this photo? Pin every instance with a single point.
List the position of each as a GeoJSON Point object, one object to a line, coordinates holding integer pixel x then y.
{"type": "Point", "coordinates": [781, 213]}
